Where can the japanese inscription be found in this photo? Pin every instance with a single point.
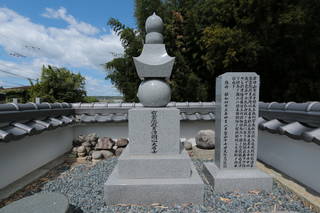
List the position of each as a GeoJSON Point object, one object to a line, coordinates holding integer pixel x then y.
{"type": "Point", "coordinates": [236, 126]}
{"type": "Point", "coordinates": [154, 132]}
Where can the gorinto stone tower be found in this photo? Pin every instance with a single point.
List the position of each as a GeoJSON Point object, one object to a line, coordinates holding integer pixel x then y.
{"type": "Point", "coordinates": [153, 168]}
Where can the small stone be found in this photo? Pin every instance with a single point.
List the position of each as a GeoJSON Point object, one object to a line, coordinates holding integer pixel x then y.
{"type": "Point", "coordinates": [93, 143]}
{"type": "Point", "coordinates": [205, 139]}
{"type": "Point", "coordinates": [81, 149]}
{"type": "Point", "coordinates": [86, 144]}
{"type": "Point", "coordinates": [96, 155]}
{"type": "Point", "coordinates": [187, 145]}
{"type": "Point", "coordinates": [118, 151]}
{"type": "Point", "coordinates": [89, 158]}
{"type": "Point", "coordinates": [88, 149]}
{"type": "Point", "coordinates": [115, 147]}
{"type": "Point", "coordinates": [106, 154]}
{"type": "Point", "coordinates": [93, 137]}
{"type": "Point", "coordinates": [122, 142]}
{"type": "Point", "coordinates": [104, 143]}
{"type": "Point", "coordinates": [74, 149]}
{"type": "Point", "coordinates": [81, 154]}
{"type": "Point", "coordinates": [81, 138]}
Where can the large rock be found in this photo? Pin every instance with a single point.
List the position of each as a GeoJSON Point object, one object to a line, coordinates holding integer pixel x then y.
{"type": "Point", "coordinates": [122, 142]}
{"type": "Point", "coordinates": [106, 153]}
{"type": "Point", "coordinates": [104, 144]}
{"type": "Point", "coordinates": [205, 139]}
{"type": "Point", "coordinates": [96, 155]}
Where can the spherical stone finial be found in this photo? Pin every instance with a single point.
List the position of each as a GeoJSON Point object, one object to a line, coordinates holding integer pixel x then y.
{"type": "Point", "coordinates": [154, 38]}
{"type": "Point", "coordinates": [154, 24]}
{"type": "Point", "coordinates": [154, 93]}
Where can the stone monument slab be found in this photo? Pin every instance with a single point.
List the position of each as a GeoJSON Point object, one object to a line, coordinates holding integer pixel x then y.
{"type": "Point", "coordinates": [154, 166]}
{"type": "Point", "coordinates": [234, 168]}
{"type": "Point", "coordinates": [153, 169]}
{"type": "Point", "coordinates": [154, 130]}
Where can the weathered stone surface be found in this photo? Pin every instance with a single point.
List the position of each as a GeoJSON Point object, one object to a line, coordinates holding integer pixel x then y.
{"type": "Point", "coordinates": [49, 202]}
{"type": "Point", "coordinates": [114, 148]}
{"type": "Point", "coordinates": [119, 151]}
{"type": "Point", "coordinates": [106, 153]}
{"type": "Point", "coordinates": [86, 144]}
{"type": "Point", "coordinates": [122, 142]}
{"type": "Point", "coordinates": [187, 145]}
{"type": "Point", "coordinates": [81, 149]}
{"type": "Point", "coordinates": [92, 137]}
{"type": "Point", "coordinates": [81, 138]}
{"type": "Point", "coordinates": [88, 149]}
{"type": "Point", "coordinates": [96, 155]}
{"type": "Point", "coordinates": [205, 139]}
{"type": "Point", "coordinates": [104, 143]}
{"type": "Point", "coordinates": [74, 149]}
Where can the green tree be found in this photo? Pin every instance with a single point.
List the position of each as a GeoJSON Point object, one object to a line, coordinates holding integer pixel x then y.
{"type": "Point", "coordinates": [278, 39]}
{"type": "Point", "coordinates": [58, 85]}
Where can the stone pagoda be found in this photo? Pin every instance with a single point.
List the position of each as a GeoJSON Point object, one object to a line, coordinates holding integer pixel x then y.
{"type": "Point", "coordinates": [154, 168]}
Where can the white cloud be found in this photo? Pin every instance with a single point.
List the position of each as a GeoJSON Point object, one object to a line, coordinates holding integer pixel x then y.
{"type": "Point", "coordinates": [78, 45]}
{"type": "Point", "coordinates": [99, 87]}
{"type": "Point", "coordinates": [61, 13]}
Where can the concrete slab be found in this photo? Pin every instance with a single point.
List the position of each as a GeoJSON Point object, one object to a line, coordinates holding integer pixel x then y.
{"type": "Point", "coordinates": [154, 190]}
{"type": "Point", "coordinates": [49, 202]}
{"type": "Point", "coordinates": [243, 180]}
{"type": "Point", "coordinates": [154, 166]}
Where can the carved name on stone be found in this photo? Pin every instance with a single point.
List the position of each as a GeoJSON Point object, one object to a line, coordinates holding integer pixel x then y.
{"type": "Point", "coordinates": [237, 98]}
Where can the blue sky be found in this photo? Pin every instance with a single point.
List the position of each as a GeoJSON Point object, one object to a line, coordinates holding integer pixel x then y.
{"type": "Point", "coordinates": [63, 33]}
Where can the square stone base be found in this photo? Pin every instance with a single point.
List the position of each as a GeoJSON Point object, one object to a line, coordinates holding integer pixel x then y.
{"type": "Point", "coordinates": [242, 180]}
{"type": "Point", "coordinates": [154, 190]}
{"type": "Point", "coordinates": [154, 165]}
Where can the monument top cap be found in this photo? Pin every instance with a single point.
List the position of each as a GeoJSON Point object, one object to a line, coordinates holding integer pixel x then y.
{"type": "Point", "coordinates": [154, 24]}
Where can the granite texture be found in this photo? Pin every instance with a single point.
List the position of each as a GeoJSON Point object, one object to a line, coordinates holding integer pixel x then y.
{"type": "Point", "coordinates": [242, 180]}
{"type": "Point", "coordinates": [154, 166]}
{"type": "Point", "coordinates": [167, 191]}
{"type": "Point", "coordinates": [168, 131]}
{"type": "Point", "coordinates": [49, 202]}
{"type": "Point", "coordinates": [236, 129]}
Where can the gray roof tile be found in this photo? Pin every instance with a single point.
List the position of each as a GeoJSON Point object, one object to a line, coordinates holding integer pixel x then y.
{"type": "Point", "coordinates": [293, 130]}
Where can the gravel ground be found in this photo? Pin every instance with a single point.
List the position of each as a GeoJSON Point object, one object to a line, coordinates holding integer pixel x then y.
{"type": "Point", "coordinates": [83, 186]}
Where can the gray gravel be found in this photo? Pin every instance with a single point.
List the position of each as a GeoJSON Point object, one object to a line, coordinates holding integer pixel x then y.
{"type": "Point", "coordinates": [84, 187]}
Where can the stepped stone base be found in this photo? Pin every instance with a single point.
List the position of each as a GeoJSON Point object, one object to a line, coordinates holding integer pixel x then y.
{"type": "Point", "coordinates": [154, 190]}
{"type": "Point", "coordinates": [154, 165]}
{"type": "Point", "coordinates": [243, 180]}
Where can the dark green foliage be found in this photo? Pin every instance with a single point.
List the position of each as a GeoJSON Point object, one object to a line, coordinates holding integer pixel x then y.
{"type": "Point", "coordinates": [278, 39]}
{"type": "Point", "coordinates": [58, 85]}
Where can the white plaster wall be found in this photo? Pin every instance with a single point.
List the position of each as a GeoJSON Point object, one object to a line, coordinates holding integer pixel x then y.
{"type": "Point", "coordinates": [18, 158]}
{"type": "Point", "coordinates": [188, 129]}
{"type": "Point", "coordinates": [295, 158]}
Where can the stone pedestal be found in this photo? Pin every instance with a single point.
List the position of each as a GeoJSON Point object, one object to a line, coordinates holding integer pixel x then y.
{"type": "Point", "coordinates": [234, 168]}
{"type": "Point", "coordinates": [153, 169]}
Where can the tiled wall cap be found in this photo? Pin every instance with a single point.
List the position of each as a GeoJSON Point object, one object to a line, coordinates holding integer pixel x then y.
{"type": "Point", "coordinates": [28, 106]}
{"type": "Point", "coordinates": [66, 105]}
{"type": "Point", "coordinates": [171, 104]}
{"type": "Point", "coordinates": [298, 107]}
{"type": "Point", "coordinates": [15, 105]}
{"type": "Point", "coordinates": [288, 104]}
{"type": "Point", "coordinates": [208, 104]}
{"type": "Point", "coordinates": [100, 105]}
{"type": "Point", "coordinates": [127, 105]}
{"type": "Point", "coordinates": [34, 104]}
{"type": "Point", "coordinates": [270, 104]}
{"type": "Point", "coordinates": [277, 106]}
{"type": "Point", "coordinates": [48, 104]}
{"type": "Point", "coordinates": [313, 106]}
{"type": "Point", "coordinates": [195, 104]}
{"type": "Point", "coordinates": [263, 105]}
{"type": "Point", "coordinates": [43, 106]}
{"type": "Point", "coordinates": [114, 105]}
{"type": "Point", "coordinates": [182, 104]}
{"type": "Point", "coordinates": [8, 107]}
